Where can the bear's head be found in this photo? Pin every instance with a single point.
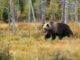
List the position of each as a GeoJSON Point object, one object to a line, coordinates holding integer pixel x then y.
{"type": "Point", "coordinates": [47, 30]}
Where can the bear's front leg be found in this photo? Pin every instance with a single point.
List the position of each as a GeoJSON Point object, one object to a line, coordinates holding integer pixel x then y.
{"type": "Point", "coordinates": [53, 36]}
{"type": "Point", "coordinates": [47, 36]}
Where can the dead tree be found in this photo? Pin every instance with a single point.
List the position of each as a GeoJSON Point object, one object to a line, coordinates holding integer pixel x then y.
{"type": "Point", "coordinates": [13, 14]}
{"type": "Point", "coordinates": [31, 11]}
{"type": "Point", "coordinates": [42, 10]}
{"type": "Point", "coordinates": [76, 11]}
{"type": "Point", "coordinates": [64, 11]}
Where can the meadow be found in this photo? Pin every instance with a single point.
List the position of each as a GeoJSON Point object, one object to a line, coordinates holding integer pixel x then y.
{"type": "Point", "coordinates": [28, 43]}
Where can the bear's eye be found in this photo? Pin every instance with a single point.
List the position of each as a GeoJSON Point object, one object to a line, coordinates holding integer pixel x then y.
{"type": "Point", "coordinates": [47, 25]}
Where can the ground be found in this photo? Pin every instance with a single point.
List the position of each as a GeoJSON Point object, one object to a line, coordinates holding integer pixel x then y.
{"type": "Point", "coordinates": [28, 43]}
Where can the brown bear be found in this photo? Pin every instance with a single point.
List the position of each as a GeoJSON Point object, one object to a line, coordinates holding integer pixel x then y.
{"type": "Point", "coordinates": [53, 29]}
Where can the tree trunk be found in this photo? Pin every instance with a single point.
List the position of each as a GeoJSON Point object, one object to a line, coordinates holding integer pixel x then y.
{"type": "Point", "coordinates": [13, 15]}
{"type": "Point", "coordinates": [76, 11]}
{"type": "Point", "coordinates": [64, 12]}
{"type": "Point", "coordinates": [43, 7]}
{"type": "Point", "coordinates": [31, 11]}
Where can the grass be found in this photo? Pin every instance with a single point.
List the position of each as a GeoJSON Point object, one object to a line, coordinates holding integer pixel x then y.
{"type": "Point", "coordinates": [28, 43]}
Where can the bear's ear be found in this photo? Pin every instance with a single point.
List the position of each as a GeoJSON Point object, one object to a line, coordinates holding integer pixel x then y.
{"type": "Point", "coordinates": [42, 25]}
{"type": "Point", "coordinates": [51, 22]}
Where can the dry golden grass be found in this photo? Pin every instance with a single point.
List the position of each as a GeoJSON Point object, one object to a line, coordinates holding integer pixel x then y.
{"type": "Point", "coordinates": [28, 44]}
{"type": "Point", "coordinates": [75, 27]}
{"type": "Point", "coordinates": [4, 26]}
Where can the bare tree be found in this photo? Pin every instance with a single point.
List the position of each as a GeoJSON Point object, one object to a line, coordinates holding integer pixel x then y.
{"type": "Point", "coordinates": [13, 14]}
{"type": "Point", "coordinates": [64, 11]}
{"type": "Point", "coordinates": [76, 11]}
{"type": "Point", "coordinates": [43, 8]}
{"type": "Point", "coordinates": [31, 11]}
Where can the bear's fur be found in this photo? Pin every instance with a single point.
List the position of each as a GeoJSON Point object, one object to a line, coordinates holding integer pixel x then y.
{"type": "Point", "coordinates": [53, 29]}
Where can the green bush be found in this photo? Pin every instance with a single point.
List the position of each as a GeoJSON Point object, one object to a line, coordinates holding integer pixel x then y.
{"type": "Point", "coordinates": [5, 15]}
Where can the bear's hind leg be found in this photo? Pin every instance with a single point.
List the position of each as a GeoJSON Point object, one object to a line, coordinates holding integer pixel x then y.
{"type": "Point", "coordinates": [60, 37]}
